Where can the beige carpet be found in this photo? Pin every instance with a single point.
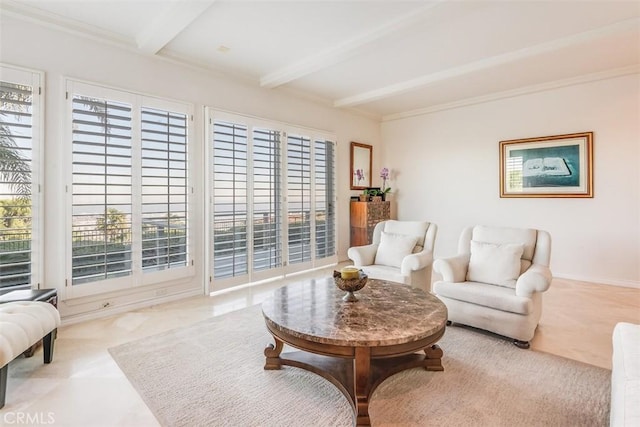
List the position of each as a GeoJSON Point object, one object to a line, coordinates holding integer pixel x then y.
{"type": "Point", "coordinates": [211, 374]}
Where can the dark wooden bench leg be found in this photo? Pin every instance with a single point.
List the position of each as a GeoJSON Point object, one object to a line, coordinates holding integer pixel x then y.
{"type": "Point", "coordinates": [4, 373]}
{"type": "Point", "coordinates": [47, 343]}
{"type": "Point", "coordinates": [31, 350]}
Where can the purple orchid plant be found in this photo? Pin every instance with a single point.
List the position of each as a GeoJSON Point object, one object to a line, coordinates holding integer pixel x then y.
{"type": "Point", "coordinates": [384, 174]}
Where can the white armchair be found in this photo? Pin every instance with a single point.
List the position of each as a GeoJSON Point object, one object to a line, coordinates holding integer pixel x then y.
{"type": "Point", "coordinates": [496, 281]}
{"type": "Point", "coordinates": [402, 251]}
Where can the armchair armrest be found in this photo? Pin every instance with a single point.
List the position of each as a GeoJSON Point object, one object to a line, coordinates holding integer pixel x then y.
{"type": "Point", "coordinates": [415, 262]}
{"type": "Point", "coordinates": [453, 269]}
{"type": "Point", "coordinates": [363, 255]}
{"type": "Point", "coordinates": [537, 278]}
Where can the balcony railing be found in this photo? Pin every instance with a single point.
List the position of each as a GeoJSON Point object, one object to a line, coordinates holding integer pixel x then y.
{"type": "Point", "coordinates": [230, 242]}
{"type": "Point", "coordinates": [97, 256]}
{"type": "Point", "coordinates": [15, 258]}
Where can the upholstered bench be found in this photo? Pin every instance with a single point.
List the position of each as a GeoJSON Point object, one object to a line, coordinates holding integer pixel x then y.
{"type": "Point", "coordinates": [22, 324]}
{"type": "Point", "coordinates": [625, 376]}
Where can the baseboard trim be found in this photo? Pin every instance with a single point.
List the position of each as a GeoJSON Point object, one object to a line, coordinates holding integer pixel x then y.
{"type": "Point", "coordinates": [119, 309]}
{"type": "Point", "coordinates": [600, 280]}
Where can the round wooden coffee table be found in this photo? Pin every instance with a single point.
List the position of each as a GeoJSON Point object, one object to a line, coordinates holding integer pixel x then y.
{"type": "Point", "coordinates": [355, 345]}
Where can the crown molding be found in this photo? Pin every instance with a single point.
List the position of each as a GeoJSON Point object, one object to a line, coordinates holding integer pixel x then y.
{"type": "Point", "coordinates": [51, 20]}
{"type": "Point", "coordinates": [586, 78]}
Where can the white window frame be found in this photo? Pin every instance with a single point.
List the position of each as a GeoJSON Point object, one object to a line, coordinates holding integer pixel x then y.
{"type": "Point", "coordinates": [212, 115]}
{"type": "Point", "coordinates": [331, 203]}
{"type": "Point", "coordinates": [315, 262]}
{"type": "Point", "coordinates": [35, 79]}
{"type": "Point", "coordinates": [138, 277]}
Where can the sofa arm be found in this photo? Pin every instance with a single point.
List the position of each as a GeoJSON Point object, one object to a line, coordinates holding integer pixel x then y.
{"type": "Point", "coordinates": [415, 262]}
{"type": "Point", "coordinates": [625, 376]}
{"type": "Point", "coordinates": [363, 255]}
{"type": "Point", "coordinates": [536, 279]}
{"type": "Point", "coordinates": [453, 269]}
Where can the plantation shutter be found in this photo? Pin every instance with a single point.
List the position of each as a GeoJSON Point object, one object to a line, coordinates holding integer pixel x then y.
{"type": "Point", "coordinates": [299, 198]}
{"type": "Point", "coordinates": [325, 216]}
{"type": "Point", "coordinates": [230, 257]}
{"type": "Point", "coordinates": [164, 189]}
{"type": "Point", "coordinates": [267, 212]}
{"type": "Point", "coordinates": [101, 190]}
{"type": "Point", "coordinates": [16, 177]}
{"type": "Point", "coordinates": [272, 200]}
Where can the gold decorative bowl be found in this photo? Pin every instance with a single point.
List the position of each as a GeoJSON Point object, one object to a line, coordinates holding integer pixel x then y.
{"type": "Point", "coordinates": [350, 285]}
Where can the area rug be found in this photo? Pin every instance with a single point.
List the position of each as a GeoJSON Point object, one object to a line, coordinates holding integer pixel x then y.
{"type": "Point", "coordinates": [211, 374]}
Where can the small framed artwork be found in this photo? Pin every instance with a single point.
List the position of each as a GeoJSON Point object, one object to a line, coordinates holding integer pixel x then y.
{"type": "Point", "coordinates": [548, 166]}
{"type": "Point", "coordinates": [361, 160]}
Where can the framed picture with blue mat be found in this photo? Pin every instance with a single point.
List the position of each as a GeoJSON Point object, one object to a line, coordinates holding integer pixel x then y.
{"type": "Point", "coordinates": [548, 166]}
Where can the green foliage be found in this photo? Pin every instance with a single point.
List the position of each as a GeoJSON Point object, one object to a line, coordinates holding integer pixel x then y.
{"type": "Point", "coordinates": [15, 214]}
{"type": "Point", "coordinates": [374, 192]}
{"type": "Point", "coordinates": [14, 169]}
{"type": "Point", "coordinates": [113, 224]}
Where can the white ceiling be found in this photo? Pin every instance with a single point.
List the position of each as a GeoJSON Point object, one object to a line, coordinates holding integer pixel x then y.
{"type": "Point", "coordinates": [385, 58]}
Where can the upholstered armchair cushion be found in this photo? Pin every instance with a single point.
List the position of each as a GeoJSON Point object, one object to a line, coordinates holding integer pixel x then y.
{"type": "Point", "coordinates": [498, 297]}
{"type": "Point", "coordinates": [493, 263]}
{"type": "Point", "coordinates": [496, 280]}
{"type": "Point", "coordinates": [416, 229]}
{"type": "Point", "coordinates": [393, 248]}
{"type": "Point", "coordinates": [414, 267]}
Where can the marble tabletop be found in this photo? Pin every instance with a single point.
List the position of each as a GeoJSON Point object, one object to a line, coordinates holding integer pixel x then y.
{"type": "Point", "coordinates": [385, 313]}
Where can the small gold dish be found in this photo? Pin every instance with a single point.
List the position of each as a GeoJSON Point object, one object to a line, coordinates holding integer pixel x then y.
{"type": "Point", "coordinates": [350, 285]}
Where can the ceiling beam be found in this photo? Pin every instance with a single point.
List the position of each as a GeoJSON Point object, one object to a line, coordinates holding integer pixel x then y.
{"type": "Point", "coordinates": [485, 63]}
{"type": "Point", "coordinates": [524, 90]}
{"type": "Point", "coordinates": [344, 50]}
{"type": "Point", "coordinates": [170, 22]}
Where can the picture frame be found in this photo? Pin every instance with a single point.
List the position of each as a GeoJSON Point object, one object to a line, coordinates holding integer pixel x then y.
{"type": "Point", "coordinates": [548, 166]}
{"type": "Point", "coordinates": [361, 165]}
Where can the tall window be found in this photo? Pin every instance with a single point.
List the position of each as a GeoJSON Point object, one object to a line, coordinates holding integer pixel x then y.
{"type": "Point", "coordinates": [231, 205]}
{"type": "Point", "coordinates": [129, 192]}
{"type": "Point", "coordinates": [102, 189]}
{"type": "Point", "coordinates": [299, 198]}
{"type": "Point", "coordinates": [19, 142]}
{"type": "Point", "coordinates": [272, 200]}
{"type": "Point", "coordinates": [164, 189]}
{"type": "Point", "coordinates": [267, 209]}
{"type": "Point", "coordinates": [325, 211]}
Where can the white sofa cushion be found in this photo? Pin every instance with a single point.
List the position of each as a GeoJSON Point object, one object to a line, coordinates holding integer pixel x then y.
{"type": "Point", "coordinates": [383, 272]}
{"type": "Point", "coordinates": [497, 264]}
{"type": "Point", "coordinates": [393, 248]}
{"type": "Point", "coordinates": [526, 236]}
{"type": "Point", "coordinates": [496, 297]}
{"type": "Point", "coordinates": [417, 229]}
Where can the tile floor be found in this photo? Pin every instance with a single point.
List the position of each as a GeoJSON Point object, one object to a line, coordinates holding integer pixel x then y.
{"type": "Point", "coordinates": [84, 387]}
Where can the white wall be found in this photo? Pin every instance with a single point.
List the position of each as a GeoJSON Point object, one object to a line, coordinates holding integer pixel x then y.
{"type": "Point", "coordinates": [60, 54]}
{"type": "Point", "coordinates": [446, 166]}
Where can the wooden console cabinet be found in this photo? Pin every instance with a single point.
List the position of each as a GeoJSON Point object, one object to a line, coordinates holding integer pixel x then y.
{"type": "Point", "coordinates": [364, 217]}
